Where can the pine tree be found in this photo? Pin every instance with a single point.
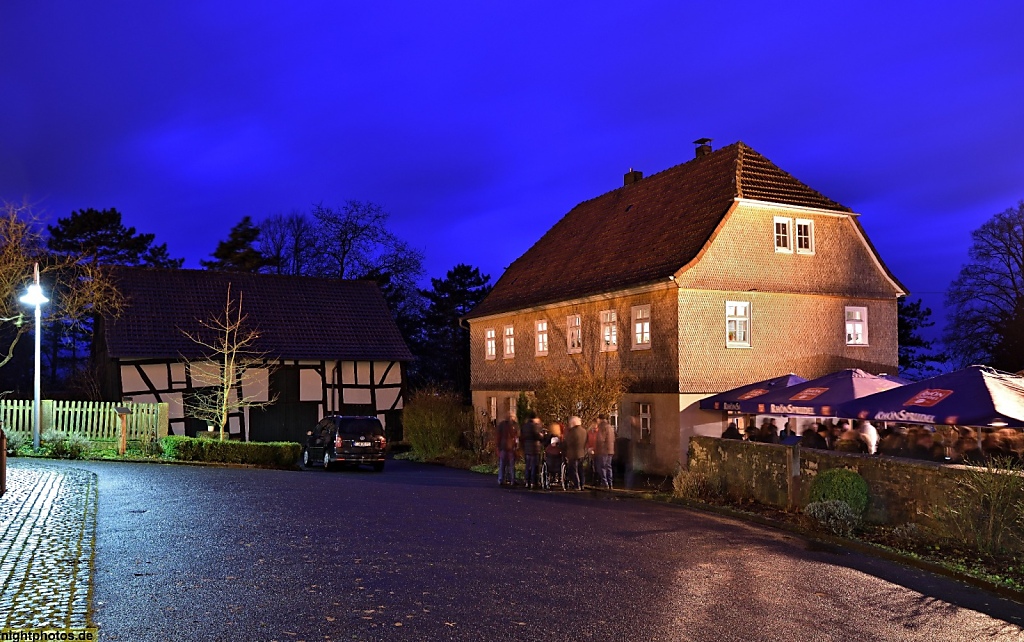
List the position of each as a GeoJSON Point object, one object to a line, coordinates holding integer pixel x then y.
{"type": "Point", "coordinates": [238, 252]}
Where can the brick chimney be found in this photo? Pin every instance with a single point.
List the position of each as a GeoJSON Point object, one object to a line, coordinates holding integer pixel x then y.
{"type": "Point", "coordinates": [703, 146]}
{"type": "Point", "coordinates": [632, 176]}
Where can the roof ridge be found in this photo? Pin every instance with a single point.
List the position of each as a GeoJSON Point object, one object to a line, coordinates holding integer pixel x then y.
{"type": "Point", "coordinates": [260, 275]}
{"type": "Point", "coordinates": [716, 152]}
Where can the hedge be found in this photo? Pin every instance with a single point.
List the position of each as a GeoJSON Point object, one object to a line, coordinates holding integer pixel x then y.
{"type": "Point", "coordinates": [274, 454]}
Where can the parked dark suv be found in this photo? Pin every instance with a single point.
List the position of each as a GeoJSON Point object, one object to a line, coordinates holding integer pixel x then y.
{"type": "Point", "coordinates": [345, 440]}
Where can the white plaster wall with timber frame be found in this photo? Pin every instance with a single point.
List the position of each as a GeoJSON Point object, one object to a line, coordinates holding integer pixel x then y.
{"type": "Point", "coordinates": [377, 383]}
{"type": "Point", "coordinates": [372, 383]}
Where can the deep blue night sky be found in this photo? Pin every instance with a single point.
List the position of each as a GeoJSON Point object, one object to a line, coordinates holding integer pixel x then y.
{"type": "Point", "coordinates": [477, 125]}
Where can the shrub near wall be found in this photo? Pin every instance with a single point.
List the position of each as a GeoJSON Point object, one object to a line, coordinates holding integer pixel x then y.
{"type": "Point", "coordinates": [276, 454]}
{"type": "Point", "coordinates": [434, 422]}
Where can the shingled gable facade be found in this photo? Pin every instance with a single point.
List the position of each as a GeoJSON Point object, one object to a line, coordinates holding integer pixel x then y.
{"type": "Point", "coordinates": [330, 346]}
{"type": "Point", "coordinates": [709, 275]}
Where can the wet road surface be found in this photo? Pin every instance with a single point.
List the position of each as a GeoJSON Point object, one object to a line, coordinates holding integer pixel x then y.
{"type": "Point", "coordinates": [422, 553]}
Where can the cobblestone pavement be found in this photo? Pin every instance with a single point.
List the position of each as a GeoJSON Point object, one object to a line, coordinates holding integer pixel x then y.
{"type": "Point", "coordinates": [47, 538]}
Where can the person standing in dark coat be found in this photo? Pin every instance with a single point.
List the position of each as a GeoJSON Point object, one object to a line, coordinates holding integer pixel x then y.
{"type": "Point", "coordinates": [532, 441]}
{"type": "Point", "coordinates": [812, 438]}
{"type": "Point", "coordinates": [604, 450]}
{"type": "Point", "coordinates": [575, 451]}
{"type": "Point", "coordinates": [507, 442]}
{"type": "Point", "coordinates": [732, 432]}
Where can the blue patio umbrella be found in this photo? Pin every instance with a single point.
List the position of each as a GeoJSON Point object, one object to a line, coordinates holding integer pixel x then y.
{"type": "Point", "coordinates": [974, 396]}
{"type": "Point", "coordinates": [818, 397]}
{"type": "Point", "coordinates": [730, 399]}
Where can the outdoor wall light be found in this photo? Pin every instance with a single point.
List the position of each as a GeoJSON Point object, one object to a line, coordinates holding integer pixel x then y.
{"type": "Point", "coordinates": [34, 297]}
{"type": "Point", "coordinates": [999, 423]}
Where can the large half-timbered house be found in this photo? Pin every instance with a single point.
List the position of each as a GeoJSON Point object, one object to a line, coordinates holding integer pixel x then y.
{"type": "Point", "coordinates": [325, 346]}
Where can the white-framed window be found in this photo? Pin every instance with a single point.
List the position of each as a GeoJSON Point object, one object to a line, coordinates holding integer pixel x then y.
{"type": "Point", "coordinates": [641, 327]}
{"type": "Point", "coordinates": [737, 324]}
{"type": "Point", "coordinates": [783, 234]}
{"type": "Point", "coordinates": [542, 337]}
{"type": "Point", "coordinates": [490, 345]}
{"type": "Point", "coordinates": [510, 342]}
{"type": "Point", "coordinates": [643, 413]}
{"type": "Point", "coordinates": [613, 418]}
{"type": "Point", "coordinates": [512, 410]}
{"type": "Point", "coordinates": [804, 236]}
{"type": "Point", "coordinates": [492, 408]}
{"type": "Point", "coordinates": [609, 331]}
{"type": "Point", "coordinates": [856, 326]}
{"type": "Point", "coordinates": [574, 334]}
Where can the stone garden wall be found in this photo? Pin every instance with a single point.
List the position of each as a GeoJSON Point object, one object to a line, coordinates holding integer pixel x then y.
{"type": "Point", "coordinates": [901, 490]}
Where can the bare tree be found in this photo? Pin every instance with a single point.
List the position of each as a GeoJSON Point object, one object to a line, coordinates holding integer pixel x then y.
{"type": "Point", "coordinates": [227, 372]}
{"type": "Point", "coordinates": [290, 244]}
{"type": "Point", "coordinates": [986, 322]}
{"type": "Point", "coordinates": [591, 386]}
{"type": "Point", "coordinates": [78, 288]}
{"type": "Point", "coordinates": [356, 242]}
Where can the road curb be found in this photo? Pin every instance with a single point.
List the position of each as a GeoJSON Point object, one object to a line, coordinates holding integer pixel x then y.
{"type": "Point", "coordinates": [852, 545]}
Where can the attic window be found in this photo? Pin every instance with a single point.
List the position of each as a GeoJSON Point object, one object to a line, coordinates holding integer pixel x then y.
{"type": "Point", "coordinates": [804, 236]}
{"type": "Point", "coordinates": [783, 234]}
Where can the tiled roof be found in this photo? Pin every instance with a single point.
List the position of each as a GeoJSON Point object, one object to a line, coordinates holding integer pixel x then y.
{"type": "Point", "coordinates": [297, 317]}
{"type": "Point", "coordinates": [644, 232]}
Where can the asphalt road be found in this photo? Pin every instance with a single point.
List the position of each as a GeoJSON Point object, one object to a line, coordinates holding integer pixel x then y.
{"type": "Point", "coordinates": [424, 553]}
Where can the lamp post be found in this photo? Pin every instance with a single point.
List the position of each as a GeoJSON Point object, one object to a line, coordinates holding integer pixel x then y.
{"type": "Point", "coordinates": [34, 297]}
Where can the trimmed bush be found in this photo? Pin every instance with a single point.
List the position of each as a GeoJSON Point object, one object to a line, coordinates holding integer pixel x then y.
{"type": "Point", "coordinates": [843, 485]}
{"type": "Point", "coordinates": [835, 515]}
{"type": "Point", "coordinates": [274, 454]}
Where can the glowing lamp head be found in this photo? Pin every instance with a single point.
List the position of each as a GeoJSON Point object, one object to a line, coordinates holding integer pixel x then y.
{"type": "Point", "coordinates": [34, 296]}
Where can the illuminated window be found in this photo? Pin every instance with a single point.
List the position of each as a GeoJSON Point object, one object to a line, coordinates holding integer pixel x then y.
{"type": "Point", "coordinates": [641, 327]}
{"type": "Point", "coordinates": [783, 230]}
{"type": "Point", "coordinates": [609, 331]}
{"type": "Point", "coordinates": [510, 342]}
{"type": "Point", "coordinates": [490, 344]}
{"type": "Point", "coordinates": [643, 413]}
{"type": "Point", "coordinates": [512, 410]}
{"type": "Point", "coordinates": [737, 324]}
{"type": "Point", "coordinates": [613, 418]}
{"type": "Point", "coordinates": [542, 338]}
{"type": "Point", "coordinates": [492, 407]}
{"type": "Point", "coordinates": [804, 236]}
{"type": "Point", "coordinates": [856, 326]}
{"type": "Point", "coordinates": [574, 334]}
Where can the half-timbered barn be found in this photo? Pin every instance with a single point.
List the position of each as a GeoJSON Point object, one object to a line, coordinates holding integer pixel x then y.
{"type": "Point", "coordinates": [325, 346]}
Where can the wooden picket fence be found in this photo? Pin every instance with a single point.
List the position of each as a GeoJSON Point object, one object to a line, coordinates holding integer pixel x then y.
{"type": "Point", "coordinates": [95, 420]}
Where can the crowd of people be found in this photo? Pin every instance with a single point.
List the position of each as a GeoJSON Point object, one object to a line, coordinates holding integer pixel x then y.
{"type": "Point", "coordinates": [554, 445]}
{"type": "Point", "coordinates": [950, 444]}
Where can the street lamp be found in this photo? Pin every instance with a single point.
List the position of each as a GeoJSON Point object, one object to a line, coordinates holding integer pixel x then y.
{"type": "Point", "coordinates": [34, 297]}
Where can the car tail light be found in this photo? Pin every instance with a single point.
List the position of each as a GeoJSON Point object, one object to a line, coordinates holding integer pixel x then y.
{"type": "Point", "coordinates": [338, 442]}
